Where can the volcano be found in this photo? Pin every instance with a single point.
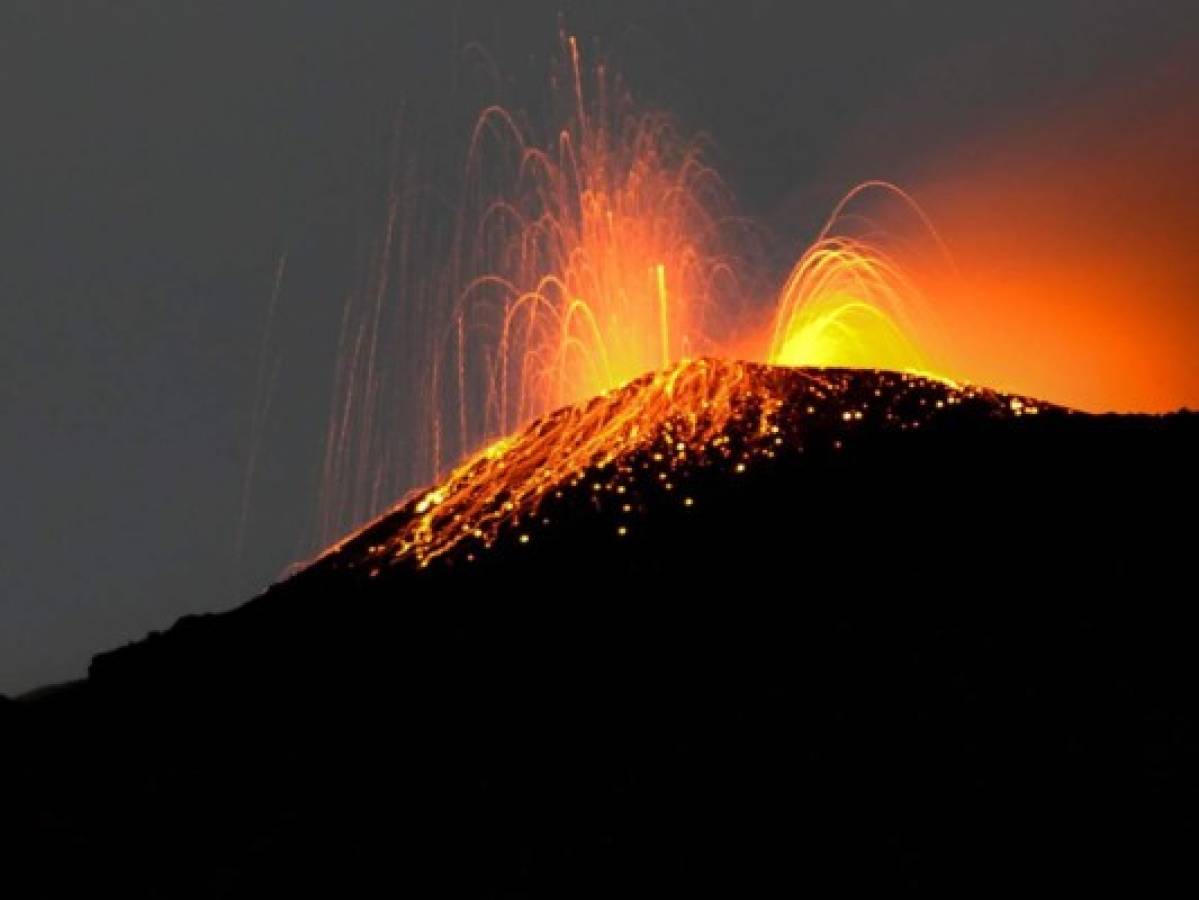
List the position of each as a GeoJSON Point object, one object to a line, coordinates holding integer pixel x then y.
{"type": "Point", "coordinates": [729, 628]}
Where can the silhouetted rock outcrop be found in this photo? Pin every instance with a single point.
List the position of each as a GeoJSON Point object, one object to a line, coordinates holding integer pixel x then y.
{"type": "Point", "coordinates": [952, 657]}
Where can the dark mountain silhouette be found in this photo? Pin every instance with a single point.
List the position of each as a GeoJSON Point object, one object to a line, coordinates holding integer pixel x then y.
{"type": "Point", "coordinates": [945, 645]}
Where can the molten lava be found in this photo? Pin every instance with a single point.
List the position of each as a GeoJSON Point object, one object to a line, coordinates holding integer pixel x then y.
{"type": "Point", "coordinates": [605, 253]}
{"type": "Point", "coordinates": [628, 451]}
{"type": "Point", "coordinates": [849, 302]}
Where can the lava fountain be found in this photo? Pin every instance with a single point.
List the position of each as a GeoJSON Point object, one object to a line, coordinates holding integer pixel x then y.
{"type": "Point", "coordinates": [610, 251]}
{"type": "Point", "coordinates": [849, 301]}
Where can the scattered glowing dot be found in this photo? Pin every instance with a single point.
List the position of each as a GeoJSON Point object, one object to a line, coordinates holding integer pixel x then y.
{"type": "Point", "coordinates": [524, 538]}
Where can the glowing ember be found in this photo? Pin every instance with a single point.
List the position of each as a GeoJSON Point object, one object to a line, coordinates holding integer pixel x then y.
{"type": "Point", "coordinates": [626, 451]}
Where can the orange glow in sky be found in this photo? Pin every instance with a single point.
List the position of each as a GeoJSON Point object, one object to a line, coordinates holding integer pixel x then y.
{"type": "Point", "coordinates": [1075, 246]}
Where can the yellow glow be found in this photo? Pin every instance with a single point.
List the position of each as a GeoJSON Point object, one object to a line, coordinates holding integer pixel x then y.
{"type": "Point", "coordinates": [841, 331]}
{"type": "Point", "coordinates": [847, 302]}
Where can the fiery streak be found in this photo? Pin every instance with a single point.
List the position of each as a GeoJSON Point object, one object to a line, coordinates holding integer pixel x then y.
{"type": "Point", "coordinates": [849, 302]}
{"type": "Point", "coordinates": [576, 257]}
{"type": "Point", "coordinates": [691, 401]}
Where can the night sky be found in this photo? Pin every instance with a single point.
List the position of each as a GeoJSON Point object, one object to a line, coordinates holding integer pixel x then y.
{"type": "Point", "coordinates": [158, 160]}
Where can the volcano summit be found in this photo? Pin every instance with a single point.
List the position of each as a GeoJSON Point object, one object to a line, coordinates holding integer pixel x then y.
{"type": "Point", "coordinates": [641, 447]}
{"type": "Point", "coordinates": [727, 628]}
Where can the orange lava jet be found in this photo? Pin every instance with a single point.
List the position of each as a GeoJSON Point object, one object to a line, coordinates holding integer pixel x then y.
{"type": "Point", "coordinates": [609, 252]}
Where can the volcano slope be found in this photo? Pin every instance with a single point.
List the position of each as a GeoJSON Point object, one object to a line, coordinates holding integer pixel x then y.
{"type": "Point", "coordinates": [863, 630]}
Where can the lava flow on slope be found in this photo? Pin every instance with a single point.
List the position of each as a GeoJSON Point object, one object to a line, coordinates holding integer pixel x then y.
{"type": "Point", "coordinates": [651, 444]}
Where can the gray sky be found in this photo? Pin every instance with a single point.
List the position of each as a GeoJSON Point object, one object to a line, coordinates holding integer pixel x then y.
{"type": "Point", "coordinates": [158, 159]}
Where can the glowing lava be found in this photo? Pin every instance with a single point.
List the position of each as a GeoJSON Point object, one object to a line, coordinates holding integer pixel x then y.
{"type": "Point", "coordinates": [682, 407]}
{"type": "Point", "coordinates": [627, 452]}
{"type": "Point", "coordinates": [849, 302]}
{"type": "Point", "coordinates": [605, 253]}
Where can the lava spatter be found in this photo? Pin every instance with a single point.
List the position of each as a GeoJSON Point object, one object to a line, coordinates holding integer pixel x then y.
{"type": "Point", "coordinates": [632, 450]}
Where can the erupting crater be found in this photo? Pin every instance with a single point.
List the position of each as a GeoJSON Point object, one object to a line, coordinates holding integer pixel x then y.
{"type": "Point", "coordinates": [652, 443]}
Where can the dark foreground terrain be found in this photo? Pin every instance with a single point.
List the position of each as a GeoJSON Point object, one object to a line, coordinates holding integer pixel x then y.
{"type": "Point", "coordinates": [956, 657]}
